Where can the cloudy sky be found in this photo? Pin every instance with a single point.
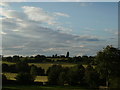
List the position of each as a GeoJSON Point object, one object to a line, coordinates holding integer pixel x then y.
{"type": "Point", "coordinates": [50, 28]}
{"type": "Point", "coordinates": [60, 0]}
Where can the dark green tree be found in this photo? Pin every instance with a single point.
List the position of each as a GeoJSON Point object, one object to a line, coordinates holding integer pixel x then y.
{"type": "Point", "coordinates": [53, 74]}
{"type": "Point", "coordinates": [33, 70]}
{"type": "Point", "coordinates": [22, 66]}
{"type": "Point", "coordinates": [108, 63]}
{"type": "Point", "coordinates": [5, 67]}
{"type": "Point", "coordinates": [16, 58]}
{"type": "Point", "coordinates": [63, 78]}
{"type": "Point", "coordinates": [4, 79]}
{"type": "Point", "coordinates": [91, 77]}
{"type": "Point", "coordinates": [24, 78]}
{"type": "Point", "coordinates": [40, 71]}
{"type": "Point", "coordinates": [75, 75]}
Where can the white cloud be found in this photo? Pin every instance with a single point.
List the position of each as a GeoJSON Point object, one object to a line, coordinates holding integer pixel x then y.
{"type": "Point", "coordinates": [82, 46]}
{"type": "Point", "coordinates": [64, 29]}
{"type": "Point", "coordinates": [62, 14]}
{"type": "Point", "coordinates": [4, 4]}
{"type": "Point", "coordinates": [60, 0]}
{"type": "Point", "coordinates": [3, 33]}
{"type": "Point", "coordinates": [52, 49]}
{"type": "Point", "coordinates": [69, 0]}
{"type": "Point", "coordinates": [84, 4]}
{"type": "Point", "coordinates": [38, 14]}
{"type": "Point", "coordinates": [15, 0]}
{"type": "Point", "coordinates": [27, 27]}
{"type": "Point", "coordinates": [111, 31]}
{"type": "Point", "coordinates": [16, 30]}
{"type": "Point", "coordinates": [7, 13]}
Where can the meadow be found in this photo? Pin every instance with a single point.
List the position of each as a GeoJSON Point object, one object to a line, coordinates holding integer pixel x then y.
{"type": "Point", "coordinates": [44, 88]}
{"type": "Point", "coordinates": [11, 76]}
{"type": "Point", "coordinates": [45, 65]}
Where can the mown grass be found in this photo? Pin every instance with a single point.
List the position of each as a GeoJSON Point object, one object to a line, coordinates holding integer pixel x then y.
{"type": "Point", "coordinates": [43, 88]}
{"type": "Point", "coordinates": [11, 76]}
{"type": "Point", "coordinates": [8, 62]}
{"type": "Point", "coordinates": [45, 65]}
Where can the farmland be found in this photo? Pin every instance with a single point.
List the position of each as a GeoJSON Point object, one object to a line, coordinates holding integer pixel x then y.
{"type": "Point", "coordinates": [46, 65]}
{"type": "Point", "coordinates": [43, 88]}
{"type": "Point", "coordinates": [11, 76]}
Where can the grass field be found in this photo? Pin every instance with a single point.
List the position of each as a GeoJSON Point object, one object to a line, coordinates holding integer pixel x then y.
{"type": "Point", "coordinates": [46, 65]}
{"type": "Point", "coordinates": [43, 88]}
{"type": "Point", "coordinates": [11, 76]}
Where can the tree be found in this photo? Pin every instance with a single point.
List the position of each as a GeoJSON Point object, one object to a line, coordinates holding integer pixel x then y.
{"type": "Point", "coordinates": [9, 59]}
{"type": "Point", "coordinates": [16, 58]}
{"type": "Point", "coordinates": [53, 74]}
{"type": "Point", "coordinates": [4, 79]}
{"type": "Point", "coordinates": [5, 67]}
{"type": "Point", "coordinates": [75, 75]}
{"type": "Point", "coordinates": [12, 68]}
{"type": "Point", "coordinates": [67, 55]}
{"type": "Point", "coordinates": [24, 78]}
{"type": "Point", "coordinates": [63, 78]}
{"type": "Point", "coordinates": [22, 66]}
{"type": "Point", "coordinates": [108, 63]}
{"type": "Point", "coordinates": [91, 77]}
{"type": "Point", "coordinates": [40, 71]}
{"type": "Point", "coordinates": [40, 58]}
{"type": "Point", "coordinates": [33, 70]}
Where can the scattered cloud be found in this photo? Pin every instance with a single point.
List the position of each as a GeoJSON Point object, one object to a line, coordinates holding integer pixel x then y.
{"type": "Point", "coordinates": [62, 14]}
{"type": "Point", "coordinates": [38, 14]}
{"type": "Point", "coordinates": [84, 4]}
{"type": "Point", "coordinates": [28, 35]}
{"type": "Point", "coordinates": [3, 33]}
{"type": "Point", "coordinates": [111, 31]}
{"type": "Point", "coordinates": [60, 1]}
{"type": "Point", "coordinates": [15, 0]}
{"type": "Point", "coordinates": [4, 4]}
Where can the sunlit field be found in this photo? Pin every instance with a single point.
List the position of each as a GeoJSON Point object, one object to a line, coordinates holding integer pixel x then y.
{"type": "Point", "coordinates": [11, 76]}
{"type": "Point", "coordinates": [43, 88]}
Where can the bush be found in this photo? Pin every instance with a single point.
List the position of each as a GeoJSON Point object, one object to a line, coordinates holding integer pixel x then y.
{"type": "Point", "coordinates": [24, 78]}
{"type": "Point", "coordinates": [5, 67]}
{"type": "Point", "coordinates": [22, 67]}
{"type": "Point", "coordinates": [115, 82]}
{"type": "Point", "coordinates": [53, 74]}
{"type": "Point", "coordinates": [91, 77]}
{"type": "Point", "coordinates": [75, 75]}
{"type": "Point", "coordinates": [4, 79]}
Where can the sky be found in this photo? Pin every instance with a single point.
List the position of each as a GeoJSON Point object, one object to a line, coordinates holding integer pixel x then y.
{"type": "Point", "coordinates": [82, 28]}
{"type": "Point", "coordinates": [60, 0]}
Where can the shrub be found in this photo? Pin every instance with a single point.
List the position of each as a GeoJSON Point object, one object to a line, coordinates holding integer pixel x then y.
{"type": "Point", "coordinates": [24, 78]}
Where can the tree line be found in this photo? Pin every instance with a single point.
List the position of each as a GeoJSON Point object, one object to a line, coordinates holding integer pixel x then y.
{"type": "Point", "coordinates": [53, 59]}
{"type": "Point", "coordinates": [104, 72]}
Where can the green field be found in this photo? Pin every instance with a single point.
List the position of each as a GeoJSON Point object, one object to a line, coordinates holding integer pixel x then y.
{"type": "Point", "coordinates": [43, 88]}
{"type": "Point", "coordinates": [46, 65]}
{"type": "Point", "coordinates": [11, 76]}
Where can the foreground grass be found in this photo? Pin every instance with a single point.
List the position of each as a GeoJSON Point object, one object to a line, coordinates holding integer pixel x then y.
{"type": "Point", "coordinates": [43, 88]}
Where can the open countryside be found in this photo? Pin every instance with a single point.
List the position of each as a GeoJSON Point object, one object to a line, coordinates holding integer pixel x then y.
{"type": "Point", "coordinates": [60, 46]}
